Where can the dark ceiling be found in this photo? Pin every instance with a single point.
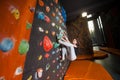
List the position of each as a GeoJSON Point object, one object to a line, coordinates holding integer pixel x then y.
{"type": "Point", "coordinates": [74, 8]}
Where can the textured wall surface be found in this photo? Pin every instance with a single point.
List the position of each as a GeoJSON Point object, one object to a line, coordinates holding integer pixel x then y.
{"type": "Point", "coordinates": [78, 29]}
{"type": "Point", "coordinates": [43, 58]}
{"type": "Point", "coordinates": [15, 26]}
{"type": "Point", "coordinates": [28, 44]}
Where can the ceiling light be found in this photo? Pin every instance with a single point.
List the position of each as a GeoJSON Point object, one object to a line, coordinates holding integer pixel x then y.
{"type": "Point", "coordinates": [84, 14]}
{"type": "Point", "coordinates": [90, 15]}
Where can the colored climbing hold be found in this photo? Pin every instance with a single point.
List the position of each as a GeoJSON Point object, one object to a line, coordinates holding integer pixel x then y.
{"type": "Point", "coordinates": [53, 71]}
{"type": "Point", "coordinates": [47, 19]}
{"type": "Point", "coordinates": [59, 36]}
{"type": "Point", "coordinates": [47, 44]}
{"type": "Point", "coordinates": [32, 9]}
{"type": "Point", "coordinates": [51, 4]}
{"type": "Point", "coordinates": [16, 13]}
{"type": "Point", "coordinates": [53, 61]}
{"type": "Point", "coordinates": [58, 66]}
{"type": "Point", "coordinates": [39, 72]}
{"type": "Point", "coordinates": [40, 57]}
{"type": "Point", "coordinates": [41, 29]}
{"type": "Point", "coordinates": [47, 9]}
{"type": "Point", "coordinates": [41, 3]}
{"type": "Point", "coordinates": [59, 14]}
{"type": "Point", "coordinates": [47, 55]}
{"type": "Point", "coordinates": [48, 77]}
{"type": "Point", "coordinates": [57, 18]}
{"type": "Point", "coordinates": [41, 43]}
{"type": "Point", "coordinates": [56, 44]}
{"type": "Point", "coordinates": [19, 70]}
{"type": "Point", "coordinates": [57, 26]}
{"type": "Point", "coordinates": [53, 14]}
{"type": "Point", "coordinates": [57, 75]}
{"type": "Point", "coordinates": [6, 44]}
{"type": "Point", "coordinates": [46, 31]}
{"type": "Point", "coordinates": [57, 58]}
{"type": "Point", "coordinates": [28, 25]}
{"type": "Point", "coordinates": [60, 78]}
{"type": "Point", "coordinates": [41, 15]}
{"type": "Point", "coordinates": [53, 24]}
{"type": "Point", "coordinates": [63, 24]}
{"type": "Point", "coordinates": [56, 1]}
{"type": "Point", "coordinates": [30, 77]}
{"type": "Point", "coordinates": [23, 47]}
{"type": "Point", "coordinates": [64, 14]}
{"type": "Point", "coordinates": [53, 52]}
{"type": "Point", "coordinates": [53, 33]}
{"type": "Point", "coordinates": [60, 21]}
{"type": "Point", "coordinates": [57, 10]}
{"type": "Point", "coordinates": [47, 66]}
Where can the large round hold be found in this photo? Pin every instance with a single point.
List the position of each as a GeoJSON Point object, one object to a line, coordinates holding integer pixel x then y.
{"type": "Point", "coordinates": [23, 47]}
{"type": "Point", "coordinates": [6, 44]}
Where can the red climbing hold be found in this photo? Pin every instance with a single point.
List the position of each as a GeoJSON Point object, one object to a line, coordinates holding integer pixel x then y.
{"type": "Point", "coordinates": [47, 44]}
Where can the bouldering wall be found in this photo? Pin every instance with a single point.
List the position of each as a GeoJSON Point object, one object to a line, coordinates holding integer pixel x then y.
{"type": "Point", "coordinates": [16, 18]}
{"type": "Point", "coordinates": [43, 60]}
{"type": "Point", "coordinates": [78, 29]}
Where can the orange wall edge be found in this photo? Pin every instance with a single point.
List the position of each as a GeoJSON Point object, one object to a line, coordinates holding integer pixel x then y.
{"type": "Point", "coordinates": [15, 15]}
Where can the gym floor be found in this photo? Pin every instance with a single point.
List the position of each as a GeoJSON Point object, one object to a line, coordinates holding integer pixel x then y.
{"type": "Point", "coordinates": [111, 64]}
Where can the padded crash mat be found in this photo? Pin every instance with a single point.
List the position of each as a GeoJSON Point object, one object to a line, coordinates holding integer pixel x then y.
{"type": "Point", "coordinates": [97, 55]}
{"type": "Point", "coordinates": [111, 50]}
{"type": "Point", "coordinates": [100, 54]}
{"type": "Point", "coordinates": [86, 70]}
{"type": "Point", "coordinates": [86, 57]}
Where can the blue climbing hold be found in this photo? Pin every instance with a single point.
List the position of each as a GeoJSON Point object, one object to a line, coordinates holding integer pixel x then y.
{"type": "Point", "coordinates": [64, 14]}
{"type": "Point", "coordinates": [41, 15]}
{"type": "Point", "coordinates": [6, 44]}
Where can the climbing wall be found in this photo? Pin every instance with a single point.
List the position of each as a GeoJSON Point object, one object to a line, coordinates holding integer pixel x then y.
{"type": "Point", "coordinates": [16, 18]}
{"type": "Point", "coordinates": [43, 60]}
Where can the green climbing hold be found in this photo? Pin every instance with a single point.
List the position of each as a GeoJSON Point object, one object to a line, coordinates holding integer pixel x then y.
{"type": "Point", "coordinates": [56, 44]}
{"type": "Point", "coordinates": [28, 25]}
{"type": "Point", "coordinates": [23, 47]}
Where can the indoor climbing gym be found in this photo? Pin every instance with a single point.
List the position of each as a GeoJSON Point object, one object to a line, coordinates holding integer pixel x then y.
{"type": "Point", "coordinates": [59, 40]}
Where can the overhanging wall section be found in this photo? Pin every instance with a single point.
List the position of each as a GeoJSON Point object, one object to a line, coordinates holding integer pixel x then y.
{"type": "Point", "coordinates": [43, 60]}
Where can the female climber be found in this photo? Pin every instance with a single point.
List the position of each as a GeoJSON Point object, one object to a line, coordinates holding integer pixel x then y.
{"type": "Point", "coordinates": [68, 48]}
